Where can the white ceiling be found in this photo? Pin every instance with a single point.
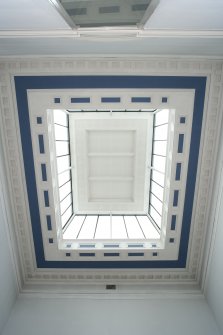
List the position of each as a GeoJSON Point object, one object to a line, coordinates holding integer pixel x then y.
{"type": "Point", "coordinates": [188, 14]}
{"type": "Point", "coordinates": [29, 15]}
{"type": "Point", "coordinates": [170, 31]}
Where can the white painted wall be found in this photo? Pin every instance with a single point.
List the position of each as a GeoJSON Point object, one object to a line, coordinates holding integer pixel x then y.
{"type": "Point", "coordinates": [214, 280]}
{"type": "Point", "coordinates": [107, 316]}
{"type": "Point", "coordinates": [8, 286]}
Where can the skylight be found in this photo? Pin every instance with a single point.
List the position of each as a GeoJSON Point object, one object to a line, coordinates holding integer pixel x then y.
{"type": "Point", "coordinates": [112, 167]}
{"type": "Point", "coordinates": [158, 165]}
{"type": "Point", "coordinates": [100, 13]}
{"type": "Point", "coordinates": [110, 227]}
{"type": "Point", "coordinates": [63, 160]}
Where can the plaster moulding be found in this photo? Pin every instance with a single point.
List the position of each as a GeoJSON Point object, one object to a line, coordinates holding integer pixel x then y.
{"type": "Point", "coordinates": [31, 275]}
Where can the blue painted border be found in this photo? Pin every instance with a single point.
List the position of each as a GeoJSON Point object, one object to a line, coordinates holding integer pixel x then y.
{"type": "Point", "coordinates": [141, 99]}
{"type": "Point", "coordinates": [80, 100]}
{"type": "Point", "coordinates": [110, 99]}
{"type": "Point", "coordinates": [41, 144]}
{"type": "Point", "coordinates": [178, 171]}
{"type": "Point", "coordinates": [180, 143]}
{"type": "Point", "coordinates": [175, 198]}
{"type": "Point", "coordinates": [173, 222]}
{"type": "Point", "coordinates": [43, 171]}
{"type": "Point", "coordinates": [23, 83]}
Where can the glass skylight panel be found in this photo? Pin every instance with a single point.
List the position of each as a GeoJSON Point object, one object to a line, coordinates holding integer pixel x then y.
{"type": "Point", "coordinates": [110, 172]}
{"type": "Point", "coordinates": [63, 177]}
{"type": "Point", "coordinates": [98, 13]}
{"type": "Point", "coordinates": [118, 227]}
{"type": "Point", "coordinates": [66, 215]}
{"type": "Point", "coordinates": [159, 148]}
{"type": "Point", "coordinates": [159, 163]}
{"type": "Point", "coordinates": [74, 227]}
{"type": "Point", "coordinates": [156, 203]}
{"type": "Point", "coordinates": [133, 227]}
{"type": "Point", "coordinates": [162, 117]}
{"type": "Point", "coordinates": [64, 190]}
{"type": "Point", "coordinates": [89, 227]}
{"type": "Point", "coordinates": [157, 190]}
{"type": "Point", "coordinates": [160, 132]}
{"type": "Point", "coordinates": [62, 148]}
{"type": "Point", "coordinates": [61, 133]}
{"type": "Point", "coordinates": [155, 216]}
{"type": "Point", "coordinates": [103, 230]}
{"type": "Point", "coordinates": [157, 181]}
{"type": "Point", "coordinates": [148, 228]}
{"type": "Point", "coordinates": [109, 227]}
{"type": "Point", "coordinates": [60, 117]}
{"type": "Point", "coordinates": [65, 203]}
{"type": "Point", "coordinates": [63, 163]}
{"type": "Point", "coordinates": [158, 177]}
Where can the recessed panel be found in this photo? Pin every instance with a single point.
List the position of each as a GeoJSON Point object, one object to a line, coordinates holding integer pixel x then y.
{"type": "Point", "coordinates": [110, 142]}
{"type": "Point", "coordinates": [110, 154]}
{"type": "Point", "coordinates": [110, 191]}
{"type": "Point", "coordinates": [111, 166]}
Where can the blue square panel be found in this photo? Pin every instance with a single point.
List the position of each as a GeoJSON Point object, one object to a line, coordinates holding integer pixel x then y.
{"type": "Point", "coordinates": [182, 119]}
{"type": "Point", "coordinates": [39, 120]}
{"type": "Point", "coordinates": [56, 100]}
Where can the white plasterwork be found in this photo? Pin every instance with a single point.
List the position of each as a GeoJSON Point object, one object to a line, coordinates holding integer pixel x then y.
{"type": "Point", "coordinates": [206, 167]}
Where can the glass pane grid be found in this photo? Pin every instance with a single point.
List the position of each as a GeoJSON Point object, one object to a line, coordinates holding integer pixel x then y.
{"type": "Point", "coordinates": [99, 13]}
{"type": "Point", "coordinates": [158, 165]}
{"type": "Point", "coordinates": [110, 227]}
{"type": "Point", "coordinates": [119, 226]}
{"type": "Point", "coordinates": [63, 161]}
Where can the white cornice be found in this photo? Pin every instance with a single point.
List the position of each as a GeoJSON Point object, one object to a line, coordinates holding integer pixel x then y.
{"type": "Point", "coordinates": [114, 33]}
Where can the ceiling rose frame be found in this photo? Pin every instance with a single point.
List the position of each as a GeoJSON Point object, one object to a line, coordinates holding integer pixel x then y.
{"type": "Point", "coordinates": [20, 230]}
